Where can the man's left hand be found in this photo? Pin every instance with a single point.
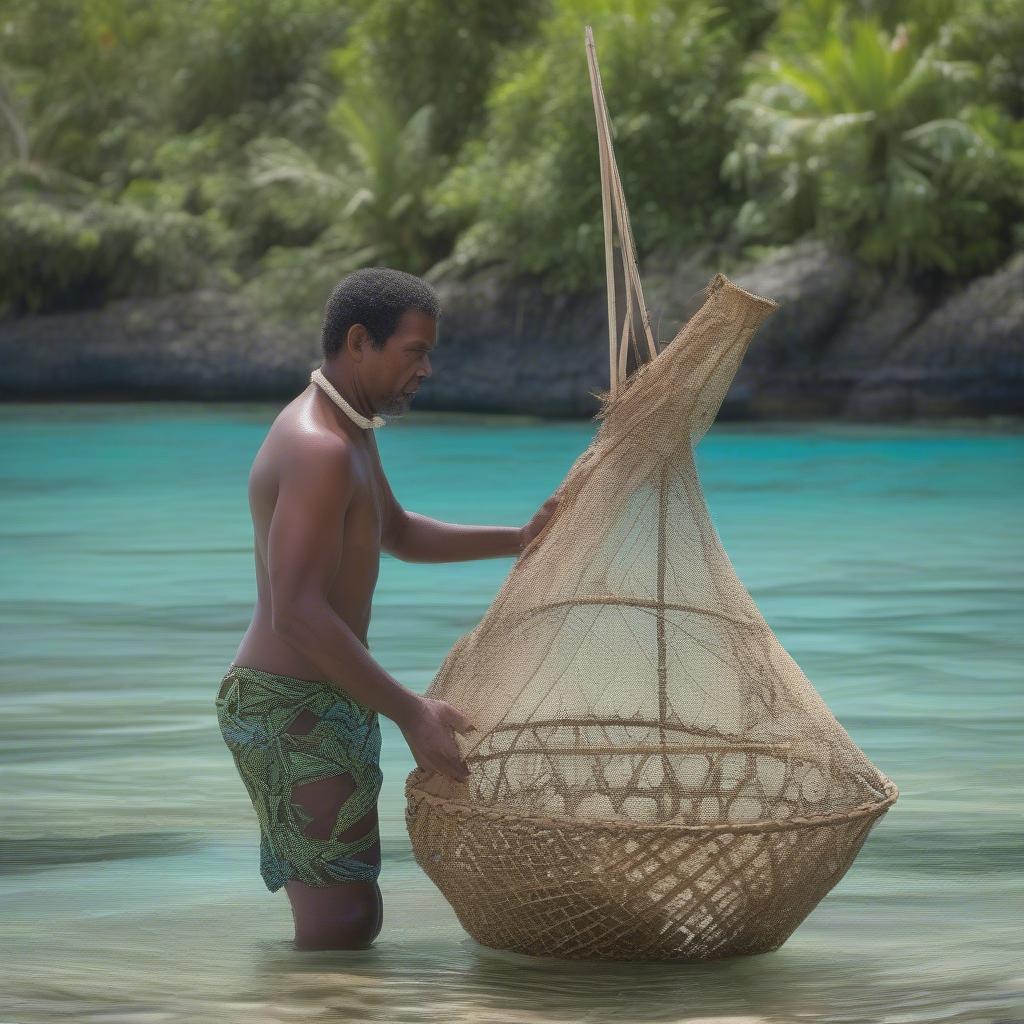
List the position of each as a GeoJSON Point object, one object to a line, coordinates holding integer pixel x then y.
{"type": "Point", "coordinates": [539, 520]}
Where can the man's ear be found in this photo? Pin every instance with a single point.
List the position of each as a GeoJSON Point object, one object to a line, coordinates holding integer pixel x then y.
{"type": "Point", "coordinates": [357, 338]}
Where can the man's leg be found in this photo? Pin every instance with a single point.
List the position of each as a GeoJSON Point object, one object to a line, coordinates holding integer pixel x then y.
{"type": "Point", "coordinates": [343, 916]}
{"type": "Point", "coordinates": [347, 915]}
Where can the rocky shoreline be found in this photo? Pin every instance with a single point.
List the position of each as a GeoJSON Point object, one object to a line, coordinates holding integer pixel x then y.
{"type": "Point", "coordinates": [844, 344]}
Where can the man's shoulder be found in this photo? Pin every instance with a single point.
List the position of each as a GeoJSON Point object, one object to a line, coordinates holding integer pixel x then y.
{"type": "Point", "coordinates": [311, 446]}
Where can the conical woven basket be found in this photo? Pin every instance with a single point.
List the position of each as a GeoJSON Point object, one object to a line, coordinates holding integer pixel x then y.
{"type": "Point", "coordinates": [653, 776]}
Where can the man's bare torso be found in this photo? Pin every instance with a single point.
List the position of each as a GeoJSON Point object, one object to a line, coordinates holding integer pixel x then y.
{"type": "Point", "coordinates": [351, 592]}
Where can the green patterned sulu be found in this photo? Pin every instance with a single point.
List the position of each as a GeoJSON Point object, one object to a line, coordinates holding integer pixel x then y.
{"type": "Point", "coordinates": [254, 711]}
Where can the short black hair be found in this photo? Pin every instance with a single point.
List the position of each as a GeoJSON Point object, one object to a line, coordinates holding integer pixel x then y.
{"type": "Point", "coordinates": [375, 297]}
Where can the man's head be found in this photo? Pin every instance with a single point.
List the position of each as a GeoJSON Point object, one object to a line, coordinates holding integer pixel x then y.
{"type": "Point", "coordinates": [384, 322]}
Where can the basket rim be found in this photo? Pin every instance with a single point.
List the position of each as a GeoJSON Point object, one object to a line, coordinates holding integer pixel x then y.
{"type": "Point", "coordinates": [872, 808]}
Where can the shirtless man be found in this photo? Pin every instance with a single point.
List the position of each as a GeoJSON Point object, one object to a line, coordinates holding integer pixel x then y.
{"type": "Point", "coordinates": [322, 512]}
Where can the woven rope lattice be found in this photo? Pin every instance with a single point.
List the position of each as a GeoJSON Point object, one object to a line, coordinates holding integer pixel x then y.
{"type": "Point", "coordinates": [653, 776]}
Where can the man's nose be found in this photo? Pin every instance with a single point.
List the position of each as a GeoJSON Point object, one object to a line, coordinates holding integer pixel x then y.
{"type": "Point", "coordinates": [427, 372]}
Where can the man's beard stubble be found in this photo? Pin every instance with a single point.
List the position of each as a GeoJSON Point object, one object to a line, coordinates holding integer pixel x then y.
{"type": "Point", "coordinates": [395, 406]}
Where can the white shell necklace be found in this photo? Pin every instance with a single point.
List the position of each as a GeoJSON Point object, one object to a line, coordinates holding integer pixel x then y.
{"type": "Point", "coordinates": [317, 377]}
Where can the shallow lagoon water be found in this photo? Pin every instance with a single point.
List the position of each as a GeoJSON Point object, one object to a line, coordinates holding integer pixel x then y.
{"type": "Point", "coordinates": [886, 559]}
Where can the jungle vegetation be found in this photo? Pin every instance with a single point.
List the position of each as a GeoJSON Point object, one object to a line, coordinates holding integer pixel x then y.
{"type": "Point", "coordinates": [272, 145]}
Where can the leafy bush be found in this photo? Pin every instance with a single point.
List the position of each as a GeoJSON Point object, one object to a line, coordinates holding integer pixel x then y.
{"type": "Point", "coordinates": [874, 139]}
{"type": "Point", "coordinates": [282, 142]}
{"type": "Point", "coordinates": [377, 190]}
{"type": "Point", "coordinates": [528, 188]}
{"type": "Point", "coordinates": [409, 53]}
{"type": "Point", "coordinates": [73, 249]}
{"type": "Point", "coordinates": [235, 55]}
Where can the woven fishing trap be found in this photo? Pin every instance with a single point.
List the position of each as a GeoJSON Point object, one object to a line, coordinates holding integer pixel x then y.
{"type": "Point", "coordinates": [653, 776]}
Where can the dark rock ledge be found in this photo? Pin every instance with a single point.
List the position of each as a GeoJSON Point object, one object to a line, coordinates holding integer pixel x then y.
{"type": "Point", "coordinates": [845, 344]}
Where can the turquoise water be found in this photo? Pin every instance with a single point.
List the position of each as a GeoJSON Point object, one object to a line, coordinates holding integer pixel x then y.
{"type": "Point", "coordinates": [888, 561]}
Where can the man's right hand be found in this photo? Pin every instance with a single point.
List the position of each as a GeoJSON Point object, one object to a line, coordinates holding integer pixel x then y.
{"type": "Point", "coordinates": [429, 735]}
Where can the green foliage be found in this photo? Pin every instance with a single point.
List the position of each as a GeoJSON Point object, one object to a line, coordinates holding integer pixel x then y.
{"type": "Point", "coordinates": [412, 52]}
{"type": "Point", "coordinates": [378, 191]}
{"type": "Point", "coordinates": [414, 78]}
{"type": "Point", "coordinates": [991, 34]}
{"type": "Point", "coordinates": [280, 143]}
{"type": "Point", "coordinates": [871, 138]}
{"type": "Point", "coordinates": [82, 73]}
{"type": "Point", "coordinates": [390, 174]}
{"type": "Point", "coordinates": [528, 189]}
{"type": "Point", "coordinates": [235, 54]}
{"type": "Point", "coordinates": [63, 246]}
{"type": "Point", "coordinates": [222, 168]}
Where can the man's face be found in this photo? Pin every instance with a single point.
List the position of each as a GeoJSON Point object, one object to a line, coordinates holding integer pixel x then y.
{"type": "Point", "coordinates": [397, 370]}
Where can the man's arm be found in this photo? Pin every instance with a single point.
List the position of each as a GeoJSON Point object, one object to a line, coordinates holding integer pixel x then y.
{"type": "Point", "coordinates": [417, 538]}
{"type": "Point", "coordinates": [422, 539]}
{"type": "Point", "coordinates": [303, 553]}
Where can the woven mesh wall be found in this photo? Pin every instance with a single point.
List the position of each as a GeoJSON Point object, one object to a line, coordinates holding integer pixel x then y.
{"type": "Point", "coordinates": [653, 776]}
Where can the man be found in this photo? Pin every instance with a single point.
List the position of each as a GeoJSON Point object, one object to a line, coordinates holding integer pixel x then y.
{"type": "Point", "coordinates": [298, 706]}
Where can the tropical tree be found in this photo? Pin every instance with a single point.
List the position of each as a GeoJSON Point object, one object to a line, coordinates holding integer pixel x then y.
{"type": "Point", "coordinates": [528, 188]}
{"type": "Point", "coordinates": [851, 132]}
{"type": "Point", "coordinates": [374, 175]}
{"type": "Point", "coordinates": [411, 52]}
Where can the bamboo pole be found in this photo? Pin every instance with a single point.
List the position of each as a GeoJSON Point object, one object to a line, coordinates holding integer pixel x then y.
{"type": "Point", "coordinates": [613, 200]}
{"type": "Point", "coordinates": [662, 652]}
{"type": "Point", "coordinates": [606, 210]}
